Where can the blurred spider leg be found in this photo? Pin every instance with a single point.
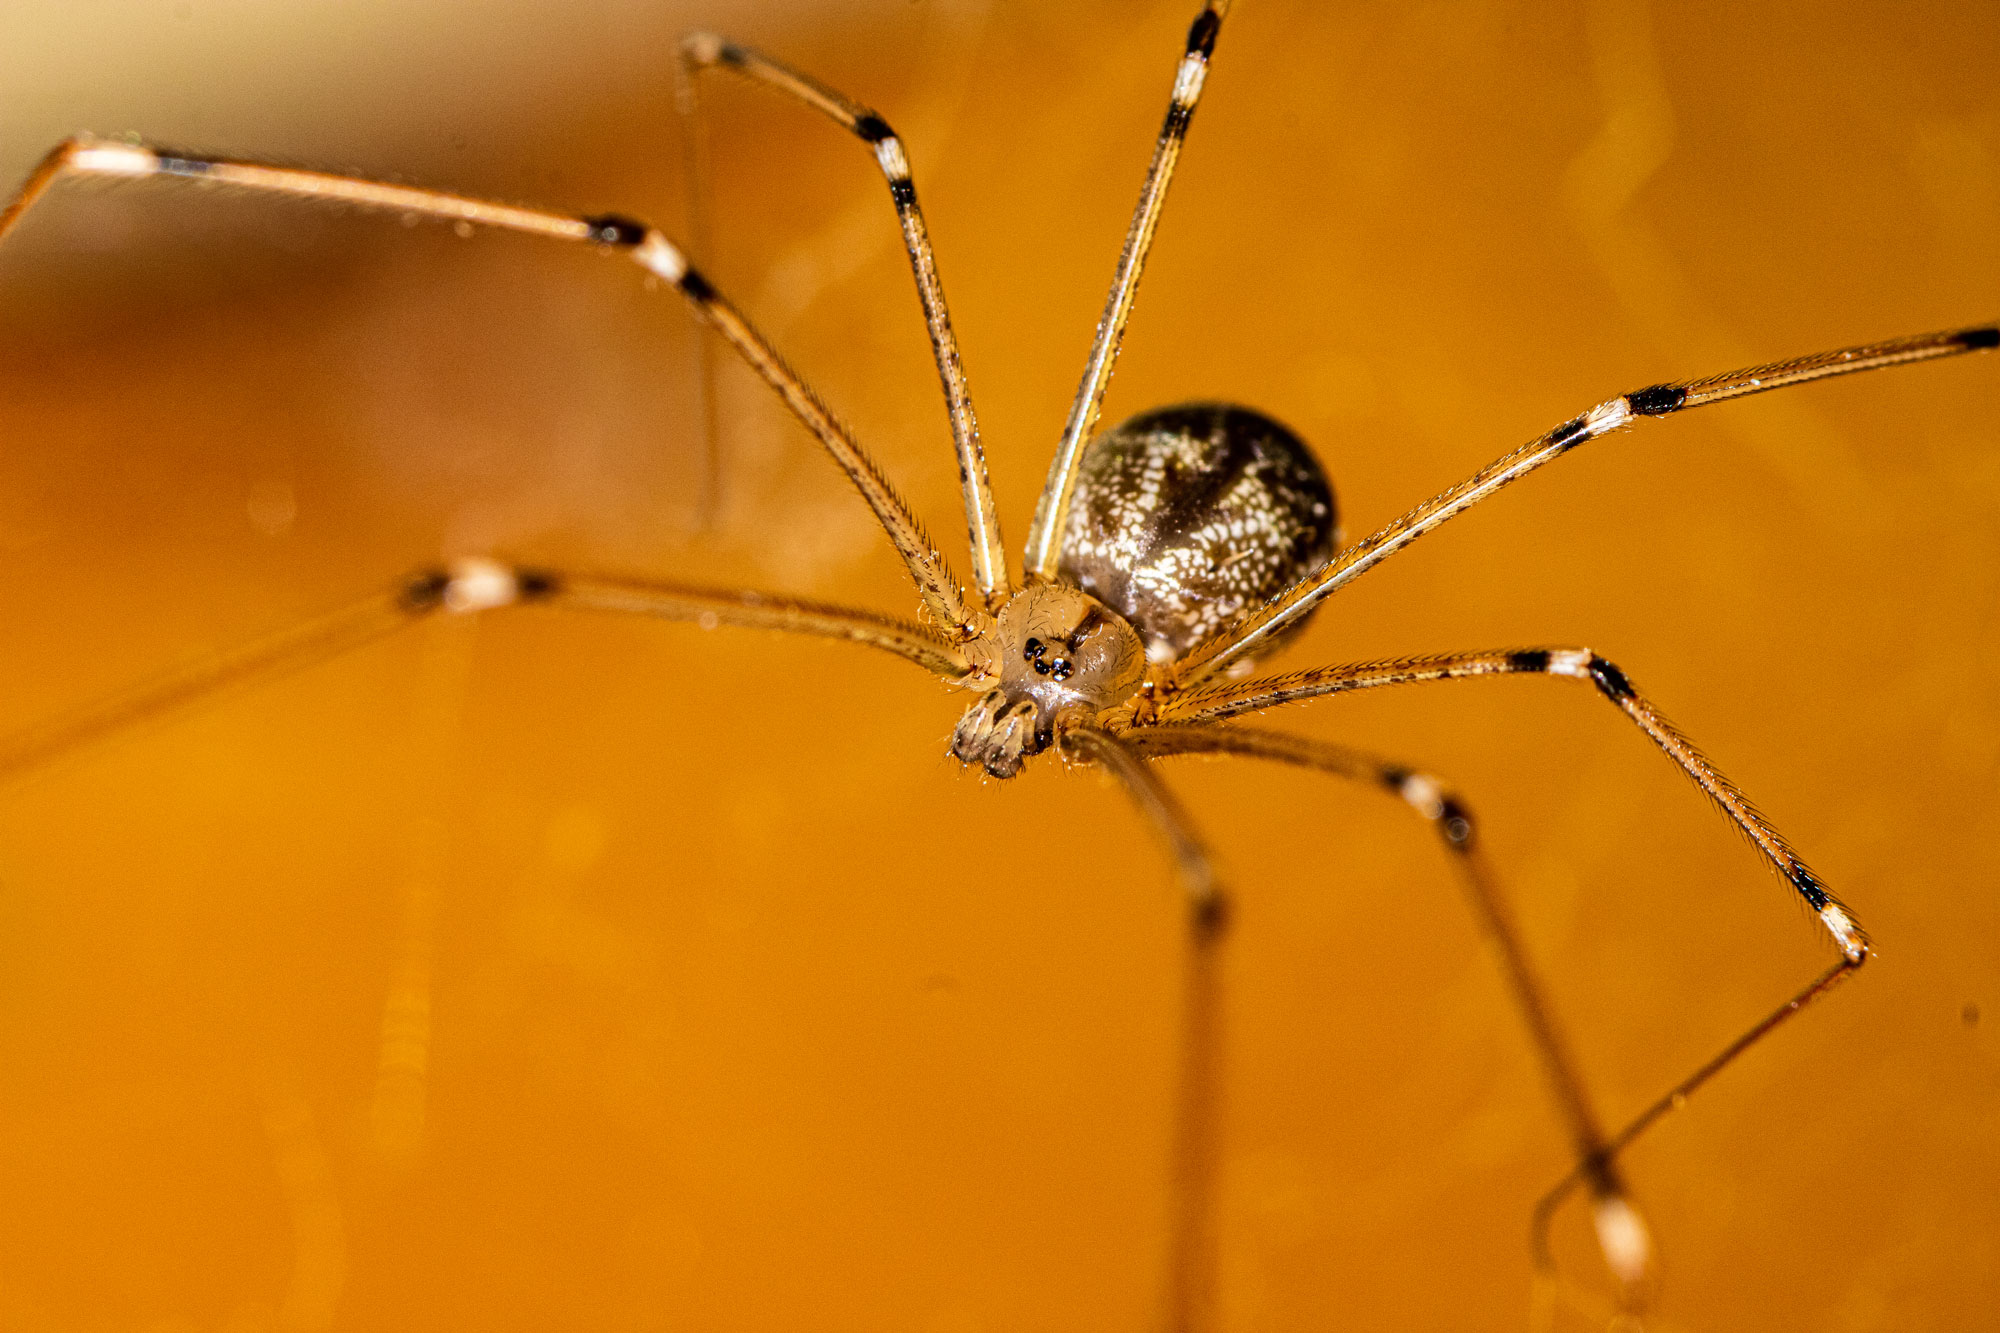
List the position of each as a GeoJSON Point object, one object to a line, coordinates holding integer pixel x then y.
{"type": "Point", "coordinates": [1190, 1299]}
{"type": "Point", "coordinates": [1672, 1100]}
{"type": "Point", "coordinates": [1256, 631]}
{"type": "Point", "coordinates": [429, 746]}
{"type": "Point", "coordinates": [704, 50]}
{"type": "Point", "coordinates": [696, 154]}
{"type": "Point", "coordinates": [1052, 510]}
{"type": "Point", "coordinates": [463, 587]}
{"type": "Point", "coordinates": [315, 641]}
{"type": "Point", "coordinates": [1218, 702]}
{"type": "Point", "coordinates": [943, 598]}
{"type": "Point", "coordinates": [1621, 1233]}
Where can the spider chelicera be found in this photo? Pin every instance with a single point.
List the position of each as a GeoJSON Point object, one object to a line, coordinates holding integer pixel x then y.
{"type": "Point", "coordinates": [1165, 558]}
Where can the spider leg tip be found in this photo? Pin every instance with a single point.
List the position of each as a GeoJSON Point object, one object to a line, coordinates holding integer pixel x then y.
{"type": "Point", "coordinates": [1623, 1237]}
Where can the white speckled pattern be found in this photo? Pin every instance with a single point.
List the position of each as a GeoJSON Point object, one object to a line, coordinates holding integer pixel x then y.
{"type": "Point", "coordinates": [1187, 517]}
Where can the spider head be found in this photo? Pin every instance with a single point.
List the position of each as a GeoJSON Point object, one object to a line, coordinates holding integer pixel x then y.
{"type": "Point", "coordinates": [1060, 655]}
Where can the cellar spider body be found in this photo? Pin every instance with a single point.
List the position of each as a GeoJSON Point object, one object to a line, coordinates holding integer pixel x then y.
{"type": "Point", "coordinates": [1049, 666]}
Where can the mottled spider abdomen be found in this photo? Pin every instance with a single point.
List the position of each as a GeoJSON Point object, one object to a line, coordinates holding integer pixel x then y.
{"type": "Point", "coordinates": [1187, 517]}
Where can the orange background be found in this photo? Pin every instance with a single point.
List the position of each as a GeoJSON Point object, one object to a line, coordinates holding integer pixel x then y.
{"type": "Point", "coordinates": [567, 972]}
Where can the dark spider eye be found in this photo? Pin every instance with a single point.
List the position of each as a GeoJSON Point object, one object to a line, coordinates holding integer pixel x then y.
{"type": "Point", "coordinates": [1033, 649]}
{"type": "Point", "coordinates": [1060, 668]}
{"type": "Point", "coordinates": [1041, 667]}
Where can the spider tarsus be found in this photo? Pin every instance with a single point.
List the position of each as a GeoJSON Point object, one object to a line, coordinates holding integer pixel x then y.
{"type": "Point", "coordinates": [1657, 400]}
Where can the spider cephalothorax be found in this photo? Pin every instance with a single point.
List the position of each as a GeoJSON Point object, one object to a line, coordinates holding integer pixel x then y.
{"type": "Point", "coordinates": [1058, 653]}
{"type": "Point", "coordinates": [1184, 518]}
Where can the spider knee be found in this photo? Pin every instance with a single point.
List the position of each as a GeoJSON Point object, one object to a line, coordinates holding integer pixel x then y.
{"type": "Point", "coordinates": [474, 584]}
{"type": "Point", "coordinates": [97, 157]}
{"type": "Point", "coordinates": [700, 49]}
{"type": "Point", "coordinates": [1435, 802]}
{"type": "Point", "coordinates": [1578, 664]}
{"type": "Point", "coordinates": [1211, 911]}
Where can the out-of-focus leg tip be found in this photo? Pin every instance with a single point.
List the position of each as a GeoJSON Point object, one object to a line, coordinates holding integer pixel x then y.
{"type": "Point", "coordinates": [1622, 1235]}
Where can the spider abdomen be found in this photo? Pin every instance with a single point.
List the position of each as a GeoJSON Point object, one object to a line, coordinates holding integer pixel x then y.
{"type": "Point", "coordinates": [1187, 517]}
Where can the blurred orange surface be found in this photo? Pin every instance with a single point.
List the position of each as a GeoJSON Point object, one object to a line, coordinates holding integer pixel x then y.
{"type": "Point", "coordinates": [553, 971]}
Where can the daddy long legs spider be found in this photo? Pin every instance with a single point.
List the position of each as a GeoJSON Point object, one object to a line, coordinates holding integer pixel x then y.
{"type": "Point", "coordinates": [1306, 1187]}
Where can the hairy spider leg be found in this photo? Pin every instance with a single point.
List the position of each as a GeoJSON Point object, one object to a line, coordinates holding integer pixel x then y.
{"type": "Point", "coordinates": [705, 51]}
{"type": "Point", "coordinates": [942, 596]}
{"type": "Point", "coordinates": [1044, 548]}
{"type": "Point", "coordinates": [463, 587]}
{"type": "Point", "coordinates": [1180, 695]}
{"type": "Point", "coordinates": [1595, 1153]}
{"type": "Point", "coordinates": [1261, 627]}
{"type": "Point", "coordinates": [1621, 1231]}
{"type": "Point", "coordinates": [1233, 700]}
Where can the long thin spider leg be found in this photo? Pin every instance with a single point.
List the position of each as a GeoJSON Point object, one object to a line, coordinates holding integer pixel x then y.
{"type": "Point", "coordinates": [1191, 1256]}
{"type": "Point", "coordinates": [747, 609]}
{"type": "Point", "coordinates": [1672, 1100]}
{"type": "Point", "coordinates": [704, 50]}
{"type": "Point", "coordinates": [1052, 510]}
{"type": "Point", "coordinates": [1620, 1231]}
{"type": "Point", "coordinates": [1219, 702]}
{"type": "Point", "coordinates": [1256, 631]}
{"type": "Point", "coordinates": [943, 598]}
{"type": "Point", "coordinates": [318, 640]}
{"type": "Point", "coordinates": [696, 155]}
{"type": "Point", "coordinates": [465, 586]}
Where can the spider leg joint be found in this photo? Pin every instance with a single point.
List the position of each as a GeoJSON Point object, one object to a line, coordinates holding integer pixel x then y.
{"type": "Point", "coordinates": [478, 584]}
{"type": "Point", "coordinates": [113, 159]}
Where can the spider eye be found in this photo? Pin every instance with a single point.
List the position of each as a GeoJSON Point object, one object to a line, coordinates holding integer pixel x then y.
{"type": "Point", "coordinates": [1060, 668]}
{"type": "Point", "coordinates": [1041, 668]}
{"type": "Point", "coordinates": [1033, 649]}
